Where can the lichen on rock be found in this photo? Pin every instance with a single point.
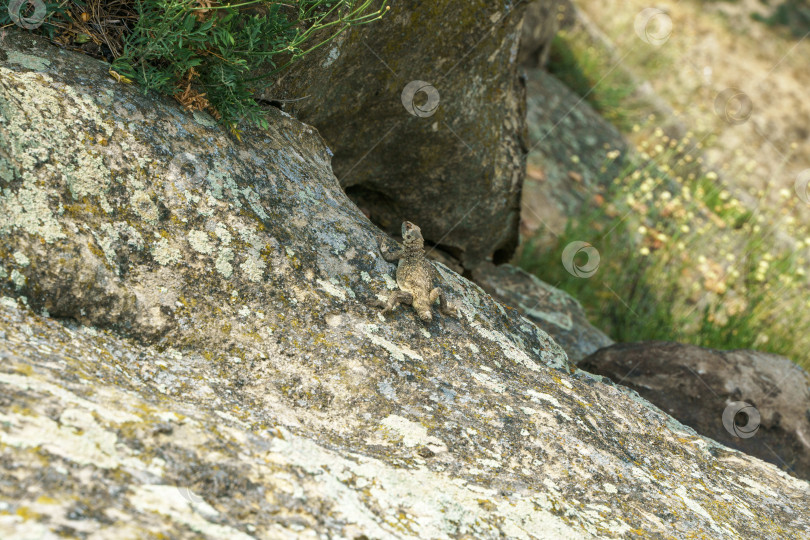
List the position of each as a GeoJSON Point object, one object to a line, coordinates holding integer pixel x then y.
{"type": "Point", "coordinates": [143, 392]}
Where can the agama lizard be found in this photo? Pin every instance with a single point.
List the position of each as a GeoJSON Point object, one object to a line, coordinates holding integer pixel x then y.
{"type": "Point", "coordinates": [415, 276]}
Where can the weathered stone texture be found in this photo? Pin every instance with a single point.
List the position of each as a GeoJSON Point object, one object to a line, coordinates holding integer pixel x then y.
{"type": "Point", "coordinates": [209, 366]}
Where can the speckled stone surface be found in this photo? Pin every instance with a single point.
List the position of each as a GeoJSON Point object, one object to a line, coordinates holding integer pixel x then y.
{"type": "Point", "coordinates": [555, 311]}
{"type": "Point", "coordinates": [569, 145]}
{"type": "Point", "coordinates": [455, 169]}
{"type": "Point", "coordinates": [187, 351]}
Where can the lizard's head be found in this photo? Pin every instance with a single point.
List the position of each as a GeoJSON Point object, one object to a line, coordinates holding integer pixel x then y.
{"type": "Point", "coordinates": [410, 232]}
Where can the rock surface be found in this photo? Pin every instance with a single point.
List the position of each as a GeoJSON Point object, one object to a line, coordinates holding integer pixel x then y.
{"type": "Point", "coordinates": [540, 24]}
{"type": "Point", "coordinates": [696, 386]}
{"type": "Point", "coordinates": [569, 147]}
{"type": "Point", "coordinates": [556, 312]}
{"type": "Point", "coordinates": [186, 351]}
{"type": "Point", "coordinates": [455, 167]}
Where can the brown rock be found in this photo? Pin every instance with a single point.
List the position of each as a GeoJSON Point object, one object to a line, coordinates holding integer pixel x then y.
{"type": "Point", "coordinates": [697, 385]}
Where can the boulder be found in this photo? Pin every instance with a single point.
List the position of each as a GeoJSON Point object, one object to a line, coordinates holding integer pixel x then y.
{"type": "Point", "coordinates": [187, 350]}
{"type": "Point", "coordinates": [541, 23]}
{"type": "Point", "coordinates": [568, 157]}
{"type": "Point", "coordinates": [705, 389]}
{"type": "Point", "coordinates": [431, 126]}
{"type": "Point", "coordinates": [556, 312]}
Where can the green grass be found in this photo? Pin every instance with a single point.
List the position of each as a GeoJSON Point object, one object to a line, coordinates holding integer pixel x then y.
{"type": "Point", "coordinates": [589, 73]}
{"type": "Point", "coordinates": [794, 14]}
{"type": "Point", "coordinates": [680, 260]}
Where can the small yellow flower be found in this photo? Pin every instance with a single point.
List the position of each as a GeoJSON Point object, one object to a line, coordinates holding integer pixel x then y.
{"type": "Point", "coordinates": [644, 251]}
{"type": "Point", "coordinates": [684, 228]}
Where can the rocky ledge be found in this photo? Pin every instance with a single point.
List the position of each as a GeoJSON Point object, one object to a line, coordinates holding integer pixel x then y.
{"type": "Point", "coordinates": [187, 349]}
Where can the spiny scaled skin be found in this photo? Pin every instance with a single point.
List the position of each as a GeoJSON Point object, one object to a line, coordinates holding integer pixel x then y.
{"type": "Point", "coordinates": [415, 276]}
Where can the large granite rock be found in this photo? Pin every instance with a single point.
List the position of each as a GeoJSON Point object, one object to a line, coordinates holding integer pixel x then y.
{"type": "Point", "coordinates": [556, 312]}
{"type": "Point", "coordinates": [455, 162]}
{"type": "Point", "coordinates": [186, 351]}
{"type": "Point", "coordinates": [704, 388]}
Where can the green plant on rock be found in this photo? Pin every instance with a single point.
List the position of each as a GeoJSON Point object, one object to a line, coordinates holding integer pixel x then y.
{"type": "Point", "coordinates": [207, 54]}
{"type": "Point", "coordinates": [204, 53]}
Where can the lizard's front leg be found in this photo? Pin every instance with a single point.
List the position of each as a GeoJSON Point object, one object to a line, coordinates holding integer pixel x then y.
{"type": "Point", "coordinates": [391, 256]}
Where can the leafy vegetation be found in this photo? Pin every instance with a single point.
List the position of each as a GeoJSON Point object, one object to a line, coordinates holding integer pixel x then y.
{"type": "Point", "coordinates": [795, 14]}
{"type": "Point", "coordinates": [208, 55]}
{"type": "Point", "coordinates": [587, 71]}
{"type": "Point", "coordinates": [681, 259]}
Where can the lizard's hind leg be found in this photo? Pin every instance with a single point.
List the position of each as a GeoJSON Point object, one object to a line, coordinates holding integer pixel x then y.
{"type": "Point", "coordinates": [396, 298]}
{"type": "Point", "coordinates": [444, 307]}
